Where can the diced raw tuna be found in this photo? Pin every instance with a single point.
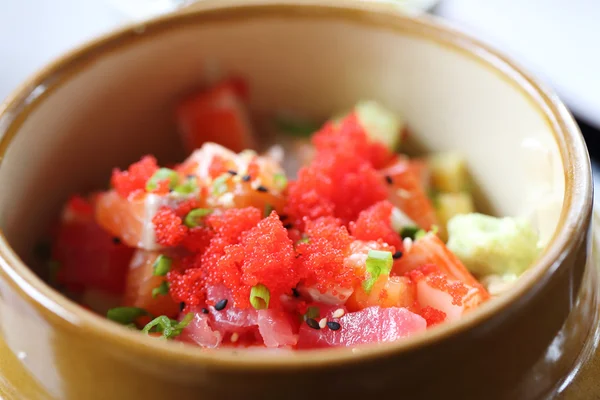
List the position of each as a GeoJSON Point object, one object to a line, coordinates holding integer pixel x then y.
{"type": "Point", "coordinates": [371, 325]}
{"type": "Point", "coordinates": [199, 332]}
{"type": "Point", "coordinates": [88, 256]}
{"type": "Point", "coordinates": [275, 328]}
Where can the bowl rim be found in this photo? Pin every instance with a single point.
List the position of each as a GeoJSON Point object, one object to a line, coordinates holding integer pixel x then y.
{"type": "Point", "coordinates": [574, 218]}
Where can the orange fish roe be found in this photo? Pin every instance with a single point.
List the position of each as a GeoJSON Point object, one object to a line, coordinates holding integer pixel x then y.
{"type": "Point", "coordinates": [374, 223]}
{"type": "Point", "coordinates": [197, 239]}
{"type": "Point", "coordinates": [222, 230]}
{"type": "Point", "coordinates": [341, 180]}
{"type": "Point", "coordinates": [265, 255]}
{"type": "Point", "coordinates": [321, 259]}
{"type": "Point", "coordinates": [433, 316]}
{"type": "Point", "coordinates": [438, 280]}
{"type": "Point", "coordinates": [186, 286]}
{"type": "Point", "coordinates": [135, 178]}
{"type": "Point", "coordinates": [230, 224]}
{"type": "Point", "coordinates": [350, 137]}
{"type": "Point", "coordinates": [168, 227]}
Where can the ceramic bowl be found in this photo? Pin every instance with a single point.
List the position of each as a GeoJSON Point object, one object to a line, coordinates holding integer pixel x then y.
{"type": "Point", "coordinates": [111, 101]}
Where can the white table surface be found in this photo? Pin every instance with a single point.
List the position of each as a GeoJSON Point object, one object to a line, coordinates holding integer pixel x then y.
{"type": "Point", "coordinates": [547, 36]}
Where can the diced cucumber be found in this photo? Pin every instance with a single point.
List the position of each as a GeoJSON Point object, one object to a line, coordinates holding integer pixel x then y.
{"type": "Point", "coordinates": [448, 205]}
{"type": "Point", "coordinates": [449, 172]}
{"type": "Point", "coordinates": [381, 124]}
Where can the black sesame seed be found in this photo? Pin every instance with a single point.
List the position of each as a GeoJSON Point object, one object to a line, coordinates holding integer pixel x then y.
{"type": "Point", "coordinates": [221, 304]}
{"type": "Point", "coordinates": [246, 178]}
{"type": "Point", "coordinates": [295, 292]}
{"type": "Point", "coordinates": [334, 326]}
{"type": "Point", "coordinates": [116, 240]}
{"type": "Point", "coordinates": [397, 255]}
{"type": "Point", "coordinates": [288, 226]}
{"type": "Point", "coordinates": [389, 180]}
{"type": "Point", "coordinates": [190, 176]}
{"type": "Point", "coordinates": [171, 190]}
{"type": "Point", "coordinates": [283, 217]}
{"type": "Point", "coordinates": [232, 172]}
{"type": "Point", "coordinates": [181, 306]}
{"type": "Point", "coordinates": [312, 323]}
{"type": "Point", "coordinates": [262, 189]}
{"type": "Point", "coordinates": [205, 311]}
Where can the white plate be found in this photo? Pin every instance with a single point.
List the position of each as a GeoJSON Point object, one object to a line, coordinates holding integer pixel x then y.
{"type": "Point", "coordinates": [556, 39]}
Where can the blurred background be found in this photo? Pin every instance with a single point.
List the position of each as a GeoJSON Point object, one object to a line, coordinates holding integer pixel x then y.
{"type": "Point", "coordinates": [557, 40]}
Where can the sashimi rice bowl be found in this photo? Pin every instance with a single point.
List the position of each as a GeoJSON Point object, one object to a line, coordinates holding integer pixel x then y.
{"type": "Point", "coordinates": [294, 234]}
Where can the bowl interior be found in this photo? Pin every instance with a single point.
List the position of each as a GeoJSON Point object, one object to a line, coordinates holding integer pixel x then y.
{"type": "Point", "coordinates": [108, 106]}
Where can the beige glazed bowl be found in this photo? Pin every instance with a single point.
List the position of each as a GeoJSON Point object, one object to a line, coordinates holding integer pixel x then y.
{"type": "Point", "coordinates": [111, 101]}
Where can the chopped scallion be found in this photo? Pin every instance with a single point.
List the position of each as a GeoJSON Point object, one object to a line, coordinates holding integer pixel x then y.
{"type": "Point", "coordinates": [295, 126]}
{"type": "Point", "coordinates": [280, 181]}
{"type": "Point", "coordinates": [169, 328]}
{"type": "Point", "coordinates": [312, 312]}
{"type": "Point", "coordinates": [268, 210]}
{"type": "Point", "coordinates": [194, 217]}
{"type": "Point", "coordinates": [303, 240]}
{"type": "Point", "coordinates": [162, 265]}
{"type": "Point", "coordinates": [219, 185]}
{"type": "Point", "coordinates": [163, 174]}
{"type": "Point", "coordinates": [409, 232]}
{"type": "Point", "coordinates": [190, 185]}
{"type": "Point", "coordinates": [260, 296]}
{"type": "Point", "coordinates": [161, 290]}
{"type": "Point", "coordinates": [126, 315]}
{"type": "Point", "coordinates": [378, 263]}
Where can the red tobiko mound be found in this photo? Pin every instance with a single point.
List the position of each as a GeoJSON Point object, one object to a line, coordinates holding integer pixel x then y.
{"type": "Point", "coordinates": [342, 180]}
{"type": "Point", "coordinates": [350, 137]}
{"type": "Point", "coordinates": [374, 223]}
{"type": "Point", "coordinates": [168, 227]}
{"type": "Point", "coordinates": [265, 255]}
{"type": "Point", "coordinates": [243, 252]}
{"type": "Point", "coordinates": [135, 177]}
{"type": "Point", "coordinates": [321, 260]}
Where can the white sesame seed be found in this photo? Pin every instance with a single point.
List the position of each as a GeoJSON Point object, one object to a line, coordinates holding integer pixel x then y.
{"type": "Point", "coordinates": [407, 244]}
{"type": "Point", "coordinates": [323, 323]}
{"type": "Point", "coordinates": [234, 337]}
{"type": "Point", "coordinates": [405, 194]}
{"type": "Point", "coordinates": [339, 313]}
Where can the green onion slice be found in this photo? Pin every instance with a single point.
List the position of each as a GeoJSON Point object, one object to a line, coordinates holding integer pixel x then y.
{"type": "Point", "coordinates": [409, 232]}
{"type": "Point", "coordinates": [190, 185]}
{"type": "Point", "coordinates": [295, 126]}
{"type": "Point", "coordinates": [162, 265]}
{"type": "Point", "coordinates": [163, 174]}
{"type": "Point", "coordinates": [260, 296]}
{"type": "Point", "coordinates": [169, 328]}
{"type": "Point", "coordinates": [161, 290]}
{"type": "Point", "coordinates": [303, 240]}
{"type": "Point", "coordinates": [268, 210]}
{"type": "Point", "coordinates": [378, 263]}
{"type": "Point", "coordinates": [280, 181]}
{"type": "Point", "coordinates": [312, 312]}
{"type": "Point", "coordinates": [194, 217]}
{"type": "Point", "coordinates": [126, 315]}
{"type": "Point", "coordinates": [219, 185]}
